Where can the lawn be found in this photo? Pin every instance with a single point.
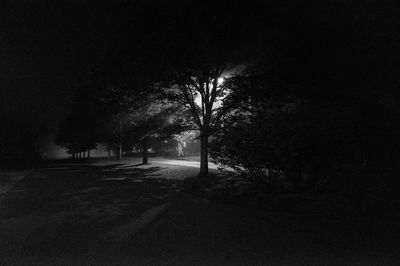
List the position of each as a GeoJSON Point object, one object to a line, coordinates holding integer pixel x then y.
{"type": "Point", "coordinates": [122, 213]}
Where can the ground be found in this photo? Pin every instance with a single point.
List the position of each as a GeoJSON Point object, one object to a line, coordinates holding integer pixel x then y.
{"type": "Point", "coordinates": [123, 213]}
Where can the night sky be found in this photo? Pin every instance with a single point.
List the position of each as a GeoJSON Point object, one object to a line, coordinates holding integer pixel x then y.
{"type": "Point", "coordinates": [44, 50]}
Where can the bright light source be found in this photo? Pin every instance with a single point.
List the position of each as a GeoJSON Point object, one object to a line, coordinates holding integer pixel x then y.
{"type": "Point", "coordinates": [220, 80]}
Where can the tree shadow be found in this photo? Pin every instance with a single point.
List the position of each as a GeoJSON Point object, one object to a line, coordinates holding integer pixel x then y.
{"type": "Point", "coordinates": [89, 194]}
{"type": "Point", "coordinates": [69, 206]}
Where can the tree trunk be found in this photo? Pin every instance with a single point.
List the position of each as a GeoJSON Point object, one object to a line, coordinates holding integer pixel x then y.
{"type": "Point", "coordinates": [203, 154]}
{"type": "Point", "coordinates": [145, 151]}
{"type": "Point", "coordinates": [119, 153]}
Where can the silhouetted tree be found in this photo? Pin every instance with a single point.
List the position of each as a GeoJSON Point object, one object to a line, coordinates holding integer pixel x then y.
{"type": "Point", "coordinates": [158, 121]}
{"type": "Point", "coordinates": [78, 132]}
{"type": "Point", "coordinates": [197, 66]}
{"type": "Point", "coordinates": [188, 53]}
{"type": "Point", "coordinates": [261, 138]}
{"type": "Point", "coordinates": [125, 84]}
{"type": "Point", "coordinates": [19, 144]}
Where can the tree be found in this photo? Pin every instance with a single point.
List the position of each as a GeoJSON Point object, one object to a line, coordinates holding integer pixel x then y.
{"type": "Point", "coordinates": [197, 67]}
{"type": "Point", "coordinates": [264, 140]}
{"type": "Point", "coordinates": [126, 83]}
{"type": "Point", "coordinates": [123, 89]}
{"type": "Point", "coordinates": [200, 95]}
{"type": "Point", "coordinates": [182, 140]}
{"type": "Point", "coordinates": [158, 121]}
{"type": "Point", "coordinates": [77, 133]}
{"type": "Point", "coordinates": [19, 144]}
{"type": "Point", "coordinates": [189, 52]}
{"type": "Point", "coordinates": [309, 141]}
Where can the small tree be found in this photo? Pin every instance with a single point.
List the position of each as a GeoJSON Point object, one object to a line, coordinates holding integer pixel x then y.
{"type": "Point", "coordinates": [182, 139]}
{"type": "Point", "coordinates": [77, 135]}
{"type": "Point", "coordinates": [156, 121]}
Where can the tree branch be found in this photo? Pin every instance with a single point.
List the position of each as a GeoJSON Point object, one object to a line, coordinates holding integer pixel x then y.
{"type": "Point", "coordinates": [192, 104]}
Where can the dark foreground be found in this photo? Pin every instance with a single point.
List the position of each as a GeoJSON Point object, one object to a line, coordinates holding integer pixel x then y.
{"type": "Point", "coordinates": [120, 213]}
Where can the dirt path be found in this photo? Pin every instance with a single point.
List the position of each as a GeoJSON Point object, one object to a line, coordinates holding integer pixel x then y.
{"type": "Point", "coordinates": [183, 163]}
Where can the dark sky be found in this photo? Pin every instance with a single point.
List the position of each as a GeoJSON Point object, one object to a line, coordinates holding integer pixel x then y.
{"type": "Point", "coordinates": [43, 50]}
{"type": "Point", "coordinates": [46, 47]}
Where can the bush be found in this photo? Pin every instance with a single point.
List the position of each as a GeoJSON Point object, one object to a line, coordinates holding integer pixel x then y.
{"type": "Point", "coordinates": [287, 145]}
{"type": "Point", "coordinates": [264, 146]}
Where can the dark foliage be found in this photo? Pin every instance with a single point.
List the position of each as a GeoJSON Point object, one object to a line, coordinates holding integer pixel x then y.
{"type": "Point", "coordinates": [19, 145]}
{"type": "Point", "coordinates": [78, 132]}
{"type": "Point", "coordinates": [324, 106]}
{"type": "Point", "coordinates": [284, 140]}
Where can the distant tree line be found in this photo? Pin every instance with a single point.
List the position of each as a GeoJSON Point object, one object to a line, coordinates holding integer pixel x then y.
{"type": "Point", "coordinates": [19, 144]}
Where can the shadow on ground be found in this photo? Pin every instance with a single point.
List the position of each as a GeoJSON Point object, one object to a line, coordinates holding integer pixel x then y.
{"type": "Point", "coordinates": [112, 213]}
{"type": "Point", "coordinates": [87, 190]}
{"type": "Point", "coordinates": [57, 210]}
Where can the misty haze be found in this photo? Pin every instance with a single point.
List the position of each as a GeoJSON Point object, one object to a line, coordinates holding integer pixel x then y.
{"type": "Point", "coordinates": [192, 133]}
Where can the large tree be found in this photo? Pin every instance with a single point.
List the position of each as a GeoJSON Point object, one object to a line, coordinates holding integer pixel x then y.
{"type": "Point", "coordinates": [200, 67]}
{"type": "Point", "coordinates": [200, 93]}
{"type": "Point", "coordinates": [77, 133]}
{"type": "Point", "coordinates": [189, 53]}
{"type": "Point", "coordinates": [124, 89]}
